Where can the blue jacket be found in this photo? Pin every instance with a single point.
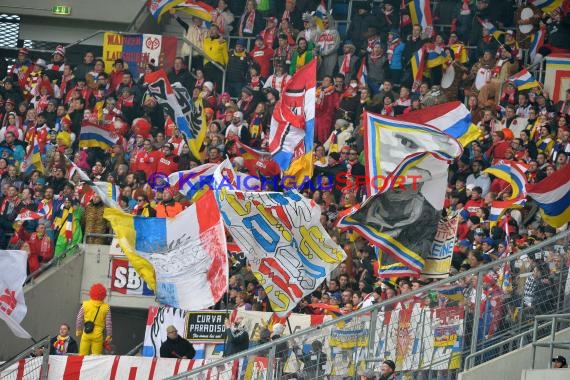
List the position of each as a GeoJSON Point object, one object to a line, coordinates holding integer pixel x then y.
{"type": "Point", "coordinates": [396, 63]}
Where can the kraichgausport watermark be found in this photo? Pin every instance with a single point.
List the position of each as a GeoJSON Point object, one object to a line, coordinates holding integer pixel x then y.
{"type": "Point", "coordinates": [244, 182]}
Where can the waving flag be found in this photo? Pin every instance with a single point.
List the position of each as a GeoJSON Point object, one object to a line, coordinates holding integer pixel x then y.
{"type": "Point", "coordinates": [289, 250]}
{"type": "Point", "coordinates": [536, 42]}
{"type": "Point", "coordinates": [159, 7]}
{"type": "Point", "coordinates": [434, 57]}
{"type": "Point", "coordinates": [498, 208]}
{"type": "Point", "coordinates": [93, 136]}
{"type": "Point", "coordinates": [178, 104]}
{"type": "Point", "coordinates": [197, 9]}
{"type": "Point", "coordinates": [12, 277]}
{"type": "Point", "coordinates": [190, 182]}
{"type": "Point", "coordinates": [402, 220]}
{"type": "Point", "coordinates": [420, 13]}
{"type": "Point", "coordinates": [362, 74]}
{"type": "Point", "coordinates": [552, 195]}
{"type": "Point", "coordinates": [108, 192]}
{"type": "Point", "coordinates": [490, 27]}
{"type": "Point", "coordinates": [524, 80]}
{"type": "Point", "coordinates": [33, 160]}
{"type": "Point", "coordinates": [418, 62]}
{"type": "Point", "coordinates": [547, 6]}
{"type": "Point", "coordinates": [395, 270]}
{"type": "Point", "coordinates": [293, 121]}
{"type": "Point", "coordinates": [511, 173]}
{"type": "Point", "coordinates": [453, 118]}
{"type": "Point", "coordinates": [26, 214]}
{"type": "Point", "coordinates": [183, 259]}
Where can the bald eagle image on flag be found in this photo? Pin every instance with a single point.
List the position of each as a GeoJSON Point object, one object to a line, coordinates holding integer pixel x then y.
{"type": "Point", "coordinates": [406, 167]}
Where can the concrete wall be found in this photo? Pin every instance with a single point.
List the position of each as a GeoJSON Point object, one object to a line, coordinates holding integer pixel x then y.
{"type": "Point", "coordinates": [550, 374]}
{"type": "Point", "coordinates": [51, 300]}
{"type": "Point", "coordinates": [98, 269]}
{"type": "Point", "coordinates": [511, 365]}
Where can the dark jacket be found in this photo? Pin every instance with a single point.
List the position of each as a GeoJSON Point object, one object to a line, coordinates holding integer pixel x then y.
{"type": "Point", "coordinates": [183, 77]}
{"type": "Point", "coordinates": [236, 341]}
{"type": "Point", "coordinates": [177, 348]}
{"type": "Point", "coordinates": [72, 347]}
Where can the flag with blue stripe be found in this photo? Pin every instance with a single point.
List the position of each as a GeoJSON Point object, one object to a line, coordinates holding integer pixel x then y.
{"type": "Point", "coordinates": [552, 196]}
{"type": "Point", "coordinates": [509, 172]}
{"type": "Point", "coordinates": [93, 136]}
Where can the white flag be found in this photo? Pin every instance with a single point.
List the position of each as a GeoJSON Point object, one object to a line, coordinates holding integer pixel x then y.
{"type": "Point", "coordinates": [12, 277]}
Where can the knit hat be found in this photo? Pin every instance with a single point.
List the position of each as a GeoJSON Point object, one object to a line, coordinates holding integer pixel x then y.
{"type": "Point", "coordinates": [208, 85]}
{"type": "Point", "coordinates": [23, 51]}
{"type": "Point", "coordinates": [464, 214]}
{"type": "Point", "coordinates": [464, 243]}
{"type": "Point", "coordinates": [241, 42]}
{"type": "Point", "coordinates": [489, 241]}
{"type": "Point", "coordinates": [59, 50]}
{"type": "Point", "coordinates": [390, 364]}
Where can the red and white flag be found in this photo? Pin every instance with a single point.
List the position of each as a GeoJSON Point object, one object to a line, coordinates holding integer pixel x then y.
{"type": "Point", "coordinates": [12, 277]}
{"type": "Point", "coordinates": [26, 214]}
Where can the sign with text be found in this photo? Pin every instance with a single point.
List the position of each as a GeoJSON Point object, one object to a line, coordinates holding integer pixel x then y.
{"type": "Point", "coordinates": [438, 261]}
{"type": "Point", "coordinates": [206, 326]}
{"type": "Point", "coordinates": [136, 50]}
{"type": "Point", "coordinates": [126, 280]}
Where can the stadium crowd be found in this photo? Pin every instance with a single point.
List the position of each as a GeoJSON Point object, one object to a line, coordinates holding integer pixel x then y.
{"type": "Point", "coordinates": [50, 102]}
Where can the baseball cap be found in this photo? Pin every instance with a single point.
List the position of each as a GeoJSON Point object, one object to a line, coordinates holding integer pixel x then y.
{"type": "Point", "coordinates": [464, 243]}
{"type": "Point", "coordinates": [479, 231]}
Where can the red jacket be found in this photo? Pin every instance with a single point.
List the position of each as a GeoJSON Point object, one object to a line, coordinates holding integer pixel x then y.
{"type": "Point", "coordinates": [263, 58]}
{"type": "Point", "coordinates": [167, 165]}
{"type": "Point", "coordinates": [147, 162]}
{"type": "Point", "coordinates": [41, 247]}
{"type": "Point", "coordinates": [473, 206]}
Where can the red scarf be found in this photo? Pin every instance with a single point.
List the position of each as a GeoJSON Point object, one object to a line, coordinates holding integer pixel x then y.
{"type": "Point", "coordinates": [345, 67]}
{"type": "Point", "coordinates": [249, 21]}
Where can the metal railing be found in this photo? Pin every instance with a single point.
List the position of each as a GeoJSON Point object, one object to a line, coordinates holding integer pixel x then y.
{"type": "Point", "coordinates": [422, 331]}
{"type": "Point", "coordinates": [551, 344]}
{"type": "Point", "coordinates": [32, 363]}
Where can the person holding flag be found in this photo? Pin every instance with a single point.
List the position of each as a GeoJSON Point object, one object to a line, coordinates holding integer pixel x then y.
{"type": "Point", "coordinates": [67, 226]}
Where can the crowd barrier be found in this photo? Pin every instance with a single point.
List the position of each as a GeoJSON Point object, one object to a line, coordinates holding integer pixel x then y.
{"type": "Point", "coordinates": [429, 332]}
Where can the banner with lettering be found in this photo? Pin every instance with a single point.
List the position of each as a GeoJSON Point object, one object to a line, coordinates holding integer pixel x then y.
{"type": "Point", "coordinates": [438, 262]}
{"type": "Point", "coordinates": [137, 50]}
{"type": "Point", "coordinates": [126, 280]}
{"type": "Point", "coordinates": [283, 239]}
{"type": "Point", "coordinates": [447, 337]}
{"type": "Point", "coordinates": [206, 326]}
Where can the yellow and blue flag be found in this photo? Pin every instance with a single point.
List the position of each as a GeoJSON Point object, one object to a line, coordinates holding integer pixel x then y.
{"type": "Point", "coordinates": [93, 136]}
{"type": "Point", "coordinates": [509, 172]}
{"type": "Point", "coordinates": [420, 13]}
{"type": "Point", "coordinates": [33, 160]}
{"type": "Point", "coordinates": [547, 6]}
{"type": "Point", "coordinates": [197, 9]}
{"type": "Point", "coordinates": [552, 196]}
{"type": "Point", "coordinates": [452, 118]}
{"type": "Point", "coordinates": [524, 80]}
{"type": "Point", "coordinates": [183, 259]}
{"type": "Point", "coordinates": [159, 7]}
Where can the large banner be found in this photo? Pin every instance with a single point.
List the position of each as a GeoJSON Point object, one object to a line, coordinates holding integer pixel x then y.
{"type": "Point", "coordinates": [438, 262]}
{"type": "Point", "coordinates": [126, 280]}
{"type": "Point", "coordinates": [188, 323]}
{"type": "Point", "coordinates": [290, 252]}
{"type": "Point", "coordinates": [137, 50]}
